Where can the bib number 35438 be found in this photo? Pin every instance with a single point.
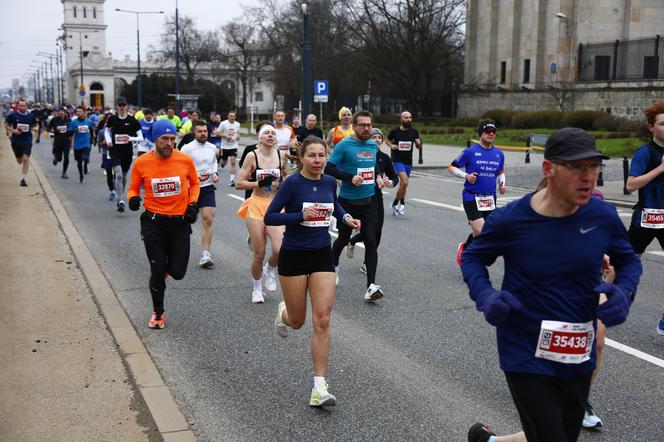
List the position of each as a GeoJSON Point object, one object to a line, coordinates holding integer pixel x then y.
{"type": "Point", "coordinates": [566, 342]}
{"type": "Point", "coordinates": [168, 186]}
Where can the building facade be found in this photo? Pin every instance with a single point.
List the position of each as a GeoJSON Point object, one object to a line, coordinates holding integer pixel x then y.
{"type": "Point", "coordinates": [88, 64]}
{"type": "Point", "coordinates": [563, 54]}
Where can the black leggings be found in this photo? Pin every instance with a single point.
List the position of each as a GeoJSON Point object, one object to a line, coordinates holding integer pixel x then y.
{"type": "Point", "coordinates": [61, 153]}
{"type": "Point", "coordinates": [109, 179]}
{"type": "Point", "coordinates": [82, 156]}
{"type": "Point", "coordinates": [367, 215]}
{"type": "Point", "coordinates": [166, 243]}
{"type": "Point", "coordinates": [380, 214]}
{"type": "Point", "coordinates": [551, 409]}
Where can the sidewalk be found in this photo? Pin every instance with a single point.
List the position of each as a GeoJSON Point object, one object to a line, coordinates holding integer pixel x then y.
{"type": "Point", "coordinates": [62, 375]}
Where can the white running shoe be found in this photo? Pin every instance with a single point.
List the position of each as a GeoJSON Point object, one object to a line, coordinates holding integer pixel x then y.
{"type": "Point", "coordinates": [395, 210]}
{"type": "Point", "coordinates": [279, 326]}
{"type": "Point", "coordinates": [257, 297]}
{"type": "Point", "coordinates": [402, 209]}
{"type": "Point", "coordinates": [321, 397]}
{"type": "Point", "coordinates": [373, 293]}
{"type": "Point", "coordinates": [206, 260]}
{"type": "Point", "coordinates": [590, 419]}
{"type": "Point", "coordinates": [269, 279]}
{"type": "Point", "coordinates": [350, 250]}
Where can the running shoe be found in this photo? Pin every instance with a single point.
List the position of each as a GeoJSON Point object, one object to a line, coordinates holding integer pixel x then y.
{"type": "Point", "coordinates": [111, 196]}
{"type": "Point", "coordinates": [231, 184]}
{"type": "Point", "coordinates": [257, 297]}
{"type": "Point", "coordinates": [373, 293]}
{"type": "Point", "coordinates": [121, 206]}
{"type": "Point", "coordinates": [660, 327]}
{"type": "Point", "coordinates": [156, 323]}
{"type": "Point", "coordinates": [350, 250]}
{"type": "Point", "coordinates": [64, 176]}
{"type": "Point", "coordinates": [460, 248]}
{"type": "Point", "coordinates": [321, 397]}
{"type": "Point", "coordinates": [80, 178]}
{"type": "Point", "coordinates": [395, 210]}
{"type": "Point", "coordinates": [479, 433]}
{"type": "Point", "coordinates": [206, 260]}
{"type": "Point", "coordinates": [590, 419]}
{"type": "Point", "coordinates": [279, 326]}
{"type": "Point", "coordinates": [402, 209]}
{"type": "Point", "coordinates": [363, 268]}
{"type": "Point", "coordinates": [55, 161]}
{"type": "Point", "coordinates": [23, 183]}
{"type": "Point", "coordinates": [269, 278]}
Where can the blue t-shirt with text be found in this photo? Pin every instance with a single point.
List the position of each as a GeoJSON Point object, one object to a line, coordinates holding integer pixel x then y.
{"type": "Point", "coordinates": [82, 131]}
{"type": "Point", "coordinates": [356, 158]}
{"type": "Point", "coordinates": [487, 163]}
{"type": "Point", "coordinates": [645, 159]}
{"type": "Point", "coordinates": [24, 122]}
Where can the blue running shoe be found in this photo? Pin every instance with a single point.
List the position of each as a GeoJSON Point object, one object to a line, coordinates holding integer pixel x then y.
{"type": "Point", "coordinates": [660, 327]}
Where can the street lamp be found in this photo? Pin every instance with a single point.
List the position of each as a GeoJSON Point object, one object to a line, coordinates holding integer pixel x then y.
{"type": "Point", "coordinates": [52, 82]}
{"type": "Point", "coordinates": [138, 50]}
{"type": "Point", "coordinates": [564, 18]}
{"type": "Point", "coordinates": [306, 59]}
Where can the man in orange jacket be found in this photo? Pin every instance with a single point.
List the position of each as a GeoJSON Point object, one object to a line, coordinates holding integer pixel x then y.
{"type": "Point", "coordinates": [172, 188]}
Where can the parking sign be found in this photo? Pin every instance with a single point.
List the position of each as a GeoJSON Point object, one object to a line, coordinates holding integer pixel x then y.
{"type": "Point", "coordinates": [320, 91]}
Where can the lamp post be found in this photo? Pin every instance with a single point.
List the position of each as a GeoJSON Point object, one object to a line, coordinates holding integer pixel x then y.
{"type": "Point", "coordinates": [37, 69]}
{"type": "Point", "coordinates": [139, 97]}
{"type": "Point", "coordinates": [52, 82]}
{"type": "Point", "coordinates": [306, 59]}
{"type": "Point", "coordinates": [564, 18]}
{"type": "Point", "coordinates": [177, 58]}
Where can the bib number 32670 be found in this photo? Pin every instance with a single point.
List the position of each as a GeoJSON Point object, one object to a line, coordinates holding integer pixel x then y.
{"type": "Point", "coordinates": [566, 342]}
{"type": "Point", "coordinates": [168, 186]}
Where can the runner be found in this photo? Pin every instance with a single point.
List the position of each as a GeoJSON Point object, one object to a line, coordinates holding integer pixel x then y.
{"type": "Point", "coordinates": [20, 124]}
{"type": "Point", "coordinates": [285, 133]}
{"type": "Point", "coordinates": [58, 127]}
{"type": "Point", "coordinates": [305, 260]}
{"type": "Point", "coordinates": [646, 174]}
{"type": "Point", "coordinates": [94, 117]}
{"type": "Point", "coordinates": [484, 163]}
{"type": "Point", "coordinates": [106, 162]}
{"type": "Point", "coordinates": [230, 139]}
{"type": "Point", "coordinates": [342, 131]}
{"type": "Point", "coordinates": [121, 130]}
{"type": "Point", "coordinates": [171, 187]}
{"type": "Point", "coordinates": [147, 144]}
{"type": "Point", "coordinates": [263, 171]}
{"type": "Point", "coordinates": [546, 310]}
{"type": "Point", "coordinates": [214, 136]}
{"type": "Point", "coordinates": [185, 129]}
{"type": "Point", "coordinates": [205, 156]}
{"type": "Point", "coordinates": [309, 128]}
{"type": "Point", "coordinates": [81, 129]}
{"type": "Point", "coordinates": [170, 116]}
{"type": "Point", "coordinates": [401, 141]}
{"type": "Point", "coordinates": [353, 161]}
{"type": "Point", "coordinates": [386, 176]}
{"type": "Point", "coordinates": [40, 119]}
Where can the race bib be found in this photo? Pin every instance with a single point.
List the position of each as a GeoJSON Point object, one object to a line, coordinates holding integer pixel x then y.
{"type": "Point", "coordinates": [323, 214]}
{"type": "Point", "coordinates": [485, 203]}
{"type": "Point", "coordinates": [83, 129]}
{"type": "Point", "coordinates": [264, 173]}
{"type": "Point", "coordinates": [367, 174]}
{"type": "Point", "coordinates": [62, 129]}
{"type": "Point", "coordinates": [205, 176]}
{"type": "Point", "coordinates": [652, 218]}
{"type": "Point", "coordinates": [162, 187]}
{"type": "Point", "coordinates": [23, 127]}
{"type": "Point", "coordinates": [565, 342]}
{"type": "Point", "coordinates": [121, 139]}
{"type": "Point", "coordinates": [405, 145]}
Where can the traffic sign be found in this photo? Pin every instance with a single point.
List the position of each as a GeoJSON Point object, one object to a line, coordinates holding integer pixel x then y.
{"type": "Point", "coordinates": [320, 98]}
{"type": "Point", "coordinates": [81, 92]}
{"type": "Point", "coordinates": [81, 87]}
{"type": "Point", "coordinates": [320, 87]}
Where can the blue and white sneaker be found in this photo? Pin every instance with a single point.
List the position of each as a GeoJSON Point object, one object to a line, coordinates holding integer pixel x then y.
{"type": "Point", "coordinates": [590, 419]}
{"type": "Point", "coordinates": [111, 196]}
{"type": "Point", "coordinates": [660, 327]}
{"type": "Point", "coordinates": [395, 210]}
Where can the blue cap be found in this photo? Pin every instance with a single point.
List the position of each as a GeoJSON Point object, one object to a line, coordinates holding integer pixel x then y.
{"type": "Point", "coordinates": [162, 127]}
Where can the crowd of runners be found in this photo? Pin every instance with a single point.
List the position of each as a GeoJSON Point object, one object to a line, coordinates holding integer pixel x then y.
{"type": "Point", "coordinates": [308, 198]}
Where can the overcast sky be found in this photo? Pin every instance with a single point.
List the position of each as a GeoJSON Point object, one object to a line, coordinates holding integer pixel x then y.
{"type": "Point", "coordinates": [32, 27]}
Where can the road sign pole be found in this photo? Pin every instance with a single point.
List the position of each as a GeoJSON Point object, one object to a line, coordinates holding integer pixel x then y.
{"type": "Point", "coordinates": [321, 118]}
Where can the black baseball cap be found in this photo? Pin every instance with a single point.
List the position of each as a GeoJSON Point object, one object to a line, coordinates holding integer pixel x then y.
{"type": "Point", "coordinates": [571, 144]}
{"type": "Point", "coordinates": [121, 100]}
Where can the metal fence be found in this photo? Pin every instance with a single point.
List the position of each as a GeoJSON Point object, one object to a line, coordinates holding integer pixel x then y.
{"type": "Point", "coordinates": [621, 60]}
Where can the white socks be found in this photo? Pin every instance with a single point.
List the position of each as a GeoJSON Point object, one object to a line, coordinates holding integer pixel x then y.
{"type": "Point", "coordinates": [257, 284]}
{"type": "Point", "coordinates": [318, 380]}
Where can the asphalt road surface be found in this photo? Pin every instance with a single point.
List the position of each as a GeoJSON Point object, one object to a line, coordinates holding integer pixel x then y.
{"type": "Point", "coordinates": [421, 364]}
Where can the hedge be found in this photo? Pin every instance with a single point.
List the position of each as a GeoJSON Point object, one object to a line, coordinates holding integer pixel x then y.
{"type": "Point", "coordinates": [540, 119]}
{"type": "Point", "coordinates": [582, 119]}
{"type": "Point", "coordinates": [502, 117]}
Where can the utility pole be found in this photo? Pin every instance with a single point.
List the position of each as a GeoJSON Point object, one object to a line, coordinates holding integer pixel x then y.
{"type": "Point", "coordinates": [177, 59]}
{"type": "Point", "coordinates": [306, 60]}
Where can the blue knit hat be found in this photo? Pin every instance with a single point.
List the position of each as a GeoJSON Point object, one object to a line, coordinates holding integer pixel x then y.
{"type": "Point", "coordinates": [162, 127]}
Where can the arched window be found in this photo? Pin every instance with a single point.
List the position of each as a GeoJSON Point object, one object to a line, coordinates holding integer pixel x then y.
{"type": "Point", "coordinates": [74, 11]}
{"type": "Point", "coordinates": [85, 12]}
{"type": "Point", "coordinates": [96, 87]}
{"type": "Point", "coordinates": [94, 12]}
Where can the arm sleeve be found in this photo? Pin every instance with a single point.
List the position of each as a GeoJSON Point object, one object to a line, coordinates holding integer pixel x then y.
{"type": "Point", "coordinates": [339, 211]}
{"type": "Point", "coordinates": [138, 137]}
{"type": "Point", "coordinates": [108, 136]}
{"type": "Point", "coordinates": [481, 253]}
{"type": "Point", "coordinates": [136, 182]}
{"type": "Point", "coordinates": [332, 170]}
{"type": "Point", "coordinates": [274, 216]}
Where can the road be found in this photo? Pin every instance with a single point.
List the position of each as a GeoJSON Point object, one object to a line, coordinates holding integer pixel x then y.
{"type": "Point", "coordinates": [419, 365]}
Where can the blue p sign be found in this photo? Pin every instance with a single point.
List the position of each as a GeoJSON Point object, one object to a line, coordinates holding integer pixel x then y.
{"type": "Point", "coordinates": [320, 87]}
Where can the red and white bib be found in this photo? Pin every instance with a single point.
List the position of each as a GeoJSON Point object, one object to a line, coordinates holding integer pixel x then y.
{"type": "Point", "coordinates": [565, 342]}
{"type": "Point", "coordinates": [168, 186]}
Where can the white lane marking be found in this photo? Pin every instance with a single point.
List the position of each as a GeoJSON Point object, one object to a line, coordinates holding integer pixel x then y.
{"type": "Point", "coordinates": [634, 352]}
{"type": "Point", "coordinates": [657, 252]}
{"type": "Point", "coordinates": [237, 197]}
{"type": "Point", "coordinates": [436, 204]}
{"type": "Point", "coordinates": [336, 235]}
{"type": "Point", "coordinates": [625, 215]}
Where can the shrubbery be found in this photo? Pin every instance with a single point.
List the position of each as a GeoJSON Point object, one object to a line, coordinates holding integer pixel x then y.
{"type": "Point", "coordinates": [582, 119]}
{"type": "Point", "coordinates": [502, 117]}
{"type": "Point", "coordinates": [539, 119]}
{"type": "Point", "coordinates": [464, 121]}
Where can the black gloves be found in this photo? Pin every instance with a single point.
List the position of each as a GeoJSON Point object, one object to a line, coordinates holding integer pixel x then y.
{"type": "Point", "coordinates": [134, 203]}
{"type": "Point", "coordinates": [191, 213]}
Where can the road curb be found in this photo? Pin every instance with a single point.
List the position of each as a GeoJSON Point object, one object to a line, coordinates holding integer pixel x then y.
{"type": "Point", "coordinates": [170, 421]}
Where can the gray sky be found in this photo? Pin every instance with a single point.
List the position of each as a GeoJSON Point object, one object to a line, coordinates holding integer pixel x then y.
{"type": "Point", "coordinates": [32, 27]}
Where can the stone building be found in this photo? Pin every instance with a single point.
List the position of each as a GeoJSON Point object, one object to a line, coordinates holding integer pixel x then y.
{"type": "Point", "coordinates": [563, 54]}
{"type": "Point", "coordinates": [102, 76]}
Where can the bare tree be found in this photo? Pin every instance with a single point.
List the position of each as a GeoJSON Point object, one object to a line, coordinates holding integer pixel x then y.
{"type": "Point", "coordinates": [245, 53]}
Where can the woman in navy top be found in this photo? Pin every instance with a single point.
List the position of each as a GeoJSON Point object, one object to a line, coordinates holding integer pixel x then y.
{"type": "Point", "coordinates": [308, 199]}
